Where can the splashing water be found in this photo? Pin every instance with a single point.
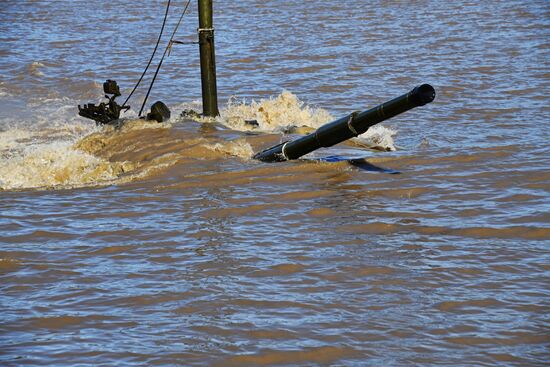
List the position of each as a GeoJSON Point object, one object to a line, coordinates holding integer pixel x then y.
{"type": "Point", "coordinates": [55, 150]}
{"type": "Point", "coordinates": [286, 112]}
{"type": "Point", "coordinates": [34, 69]}
{"type": "Point", "coordinates": [48, 157]}
{"type": "Point", "coordinates": [274, 114]}
{"type": "Point", "coordinates": [377, 137]}
{"type": "Point", "coordinates": [235, 148]}
{"type": "Point", "coordinates": [63, 155]}
{"type": "Point", "coordinates": [55, 164]}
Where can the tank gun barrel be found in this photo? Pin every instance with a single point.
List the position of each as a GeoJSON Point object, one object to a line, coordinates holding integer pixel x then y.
{"type": "Point", "coordinates": [347, 127]}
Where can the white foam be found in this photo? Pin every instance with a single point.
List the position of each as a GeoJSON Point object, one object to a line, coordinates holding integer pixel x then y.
{"type": "Point", "coordinates": [34, 69]}
{"type": "Point", "coordinates": [378, 137]}
{"type": "Point", "coordinates": [38, 151]}
{"type": "Point", "coordinates": [3, 91]}
{"type": "Point", "coordinates": [287, 111]}
{"type": "Point", "coordinates": [53, 164]}
{"type": "Point", "coordinates": [273, 114]}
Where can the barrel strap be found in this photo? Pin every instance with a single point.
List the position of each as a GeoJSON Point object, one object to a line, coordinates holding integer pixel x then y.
{"type": "Point", "coordinates": [283, 151]}
{"type": "Point", "coordinates": [350, 123]}
{"type": "Point", "coordinates": [200, 30]}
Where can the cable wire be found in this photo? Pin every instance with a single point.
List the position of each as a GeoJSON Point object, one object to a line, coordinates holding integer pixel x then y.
{"type": "Point", "coordinates": [162, 59]}
{"type": "Point", "coordinates": [152, 56]}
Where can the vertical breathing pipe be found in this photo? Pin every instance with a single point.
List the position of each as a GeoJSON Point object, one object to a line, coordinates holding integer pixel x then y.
{"type": "Point", "coordinates": [207, 59]}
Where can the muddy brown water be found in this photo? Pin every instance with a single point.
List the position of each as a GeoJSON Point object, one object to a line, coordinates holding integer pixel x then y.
{"type": "Point", "coordinates": [168, 246]}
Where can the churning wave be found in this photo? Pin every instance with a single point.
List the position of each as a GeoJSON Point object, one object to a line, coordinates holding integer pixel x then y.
{"type": "Point", "coordinates": [57, 149]}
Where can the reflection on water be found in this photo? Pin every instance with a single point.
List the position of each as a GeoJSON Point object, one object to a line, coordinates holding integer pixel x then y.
{"type": "Point", "coordinates": [165, 244]}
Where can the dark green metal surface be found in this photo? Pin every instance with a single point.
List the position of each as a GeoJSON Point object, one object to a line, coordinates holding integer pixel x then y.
{"type": "Point", "coordinates": [348, 127]}
{"type": "Point", "coordinates": [208, 61]}
{"type": "Point", "coordinates": [159, 112]}
{"type": "Point", "coordinates": [104, 113]}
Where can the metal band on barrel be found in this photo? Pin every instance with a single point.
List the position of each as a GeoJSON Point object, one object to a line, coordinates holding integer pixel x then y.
{"type": "Point", "coordinates": [350, 123]}
{"type": "Point", "coordinates": [283, 151]}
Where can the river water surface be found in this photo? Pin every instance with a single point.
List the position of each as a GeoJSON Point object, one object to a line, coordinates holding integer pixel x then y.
{"type": "Point", "coordinates": [167, 245]}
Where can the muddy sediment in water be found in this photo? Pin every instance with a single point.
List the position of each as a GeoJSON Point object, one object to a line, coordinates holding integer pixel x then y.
{"type": "Point", "coordinates": [424, 242]}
